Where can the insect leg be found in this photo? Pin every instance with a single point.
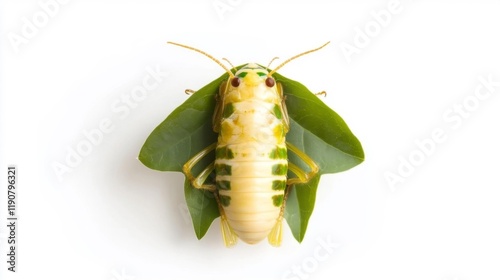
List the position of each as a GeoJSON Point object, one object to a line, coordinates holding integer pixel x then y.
{"type": "Point", "coordinates": [189, 91]}
{"type": "Point", "coordinates": [275, 236]}
{"type": "Point", "coordinates": [219, 106]}
{"type": "Point", "coordinates": [321, 93]}
{"type": "Point", "coordinates": [284, 111]}
{"type": "Point", "coordinates": [228, 235]}
{"type": "Point", "coordinates": [302, 176]}
{"type": "Point", "coordinates": [198, 182]}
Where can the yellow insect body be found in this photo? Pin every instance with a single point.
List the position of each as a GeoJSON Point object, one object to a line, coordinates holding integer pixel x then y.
{"type": "Point", "coordinates": [251, 162]}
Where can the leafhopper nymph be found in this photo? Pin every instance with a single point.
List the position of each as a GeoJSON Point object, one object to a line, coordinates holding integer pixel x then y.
{"type": "Point", "coordinates": [265, 141]}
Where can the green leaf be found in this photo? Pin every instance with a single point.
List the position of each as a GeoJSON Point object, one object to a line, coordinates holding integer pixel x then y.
{"type": "Point", "coordinates": [318, 131]}
{"type": "Point", "coordinates": [185, 132]}
{"type": "Point", "coordinates": [299, 206]}
{"type": "Point", "coordinates": [314, 128]}
{"type": "Point", "coordinates": [324, 136]}
{"type": "Point", "coordinates": [202, 207]}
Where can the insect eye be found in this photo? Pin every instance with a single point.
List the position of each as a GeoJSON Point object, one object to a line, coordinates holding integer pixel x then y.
{"type": "Point", "coordinates": [270, 82]}
{"type": "Point", "coordinates": [235, 82]}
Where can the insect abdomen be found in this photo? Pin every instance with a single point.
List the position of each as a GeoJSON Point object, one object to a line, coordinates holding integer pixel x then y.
{"type": "Point", "coordinates": [251, 193]}
{"type": "Point", "coordinates": [251, 166]}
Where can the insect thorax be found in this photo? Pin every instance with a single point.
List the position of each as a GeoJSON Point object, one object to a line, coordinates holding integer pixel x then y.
{"type": "Point", "coordinates": [252, 112]}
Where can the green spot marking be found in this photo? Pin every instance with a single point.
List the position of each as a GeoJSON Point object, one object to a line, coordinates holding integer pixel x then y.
{"type": "Point", "coordinates": [261, 74]}
{"type": "Point", "coordinates": [280, 169]}
{"type": "Point", "coordinates": [277, 200]}
{"type": "Point", "coordinates": [224, 153]}
{"type": "Point", "coordinates": [282, 154]}
{"type": "Point", "coordinates": [278, 153]}
{"type": "Point", "coordinates": [279, 185]}
{"type": "Point", "coordinates": [222, 169]}
{"type": "Point", "coordinates": [226, 199]}
{"type": "Point", "coordinates": [220, 152]}
{"type": "Point", "coordinates": [242, 74]}
{"type": "Point", "coordinates": [228, 110]}
{"type": "Point", "coordinates": [273, 154]}
{"type": "Point", "coordinates": [277, 112]}
{"type": "Point", "coordinates": [223, 185]}
{"type": "Point", "coordinates": [229, 154]}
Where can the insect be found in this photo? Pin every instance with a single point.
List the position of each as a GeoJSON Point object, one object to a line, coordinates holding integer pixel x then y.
{"type": "Point", "coordinates": [247, 167]}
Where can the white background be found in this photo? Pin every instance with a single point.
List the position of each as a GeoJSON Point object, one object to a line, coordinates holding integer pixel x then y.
{"type": "Point", "coordinates": [112, 218]}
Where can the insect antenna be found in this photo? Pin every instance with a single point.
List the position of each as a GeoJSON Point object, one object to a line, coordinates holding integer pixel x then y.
{"type": "Point", "coordinates": [274, 58]}
{"type": "Point", "coordinates": [206, 54]}
{"type": "Point", "coordinates": [294, 57]}
{"type": "Point", "coordinates": [227, 60]}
